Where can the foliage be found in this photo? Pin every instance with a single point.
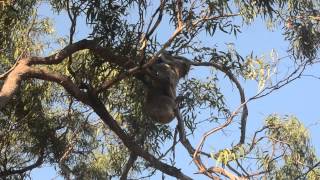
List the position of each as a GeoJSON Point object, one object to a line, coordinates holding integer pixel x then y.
{"type": "Point", "coordinates": [44, 123]}
{"type": "Point", "coordinates": [291, 154]}
{"type": "Point", "coordinates": [297, 154]}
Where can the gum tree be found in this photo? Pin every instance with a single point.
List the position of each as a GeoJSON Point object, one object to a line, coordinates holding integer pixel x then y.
{"type": "Point", "coordinates": [79, 107]}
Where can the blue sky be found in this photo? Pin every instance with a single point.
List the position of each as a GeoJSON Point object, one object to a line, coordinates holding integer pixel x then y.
{"type": "Point", "coordinates": [300, 98]}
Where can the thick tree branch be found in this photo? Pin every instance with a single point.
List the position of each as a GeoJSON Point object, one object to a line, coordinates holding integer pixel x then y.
{"type": "Point", "coordinates": [12, 82]}
{"type": "Point", "coordinates": [66, 82]}
{"type": "Point", "coordinates": [22, 71]}
{"type": "Point", "coordinates": [92, 45]}
{"type": "Point", "coordinates": [14, 76]}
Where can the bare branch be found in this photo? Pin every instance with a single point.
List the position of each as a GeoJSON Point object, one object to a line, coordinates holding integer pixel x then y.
{"type": "Point", "coordinates": [224, 172]}
{"type": "Point", "coordinates": [196, 155]}
{"type": "Point", "coordinates": [233, 170]}
{"type": "Point", "coordinates": [186, 143]}
{"type": "Point", "coordinates": [244, 115]}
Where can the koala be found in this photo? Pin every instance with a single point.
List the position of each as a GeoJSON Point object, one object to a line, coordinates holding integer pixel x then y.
{"type": "Point", "coordinates": [161, 81]}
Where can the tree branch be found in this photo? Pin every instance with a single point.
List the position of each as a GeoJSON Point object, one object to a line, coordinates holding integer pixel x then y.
{"type": "Point", "coordinates": [101, 111]}
{"type": "Point", "coordinates": [128, 166]}
{"type": "Point", "coordinates": [22, 70]}
{"type": "Point", "coordinates": [227, 72]}
{"type": "Point", "coordinates": [196, 155]}
{"type": "Point", "coordinates": [12, 82]}
{"type": "Point", "coordinates": [182, 134]}
{"type": "Point", "coordinates": [64, 81]}
{"type": "Point", "coordinates": [179, 12]}
{"type": "Point", "coordinates": [186, 143]}
{"type": "Point", "coordinates": [25, 169]}
{"type": "Point", "coordinates": [92, 45]}
{"type": "Point", "coordinates": [14, 77]}
{"type": "Point", "coordinates": [225, 173]}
